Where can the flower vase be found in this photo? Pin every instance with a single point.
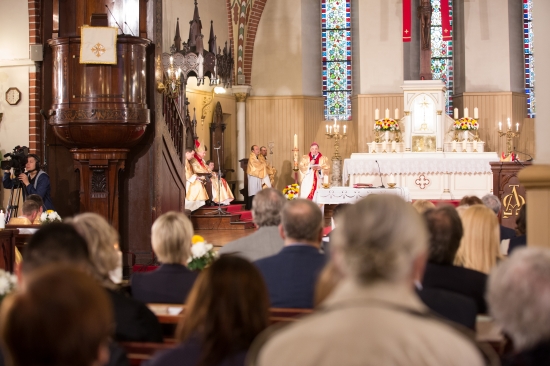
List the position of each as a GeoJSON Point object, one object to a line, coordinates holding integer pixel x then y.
{"type": "Point", "coordinates": [387, 135]}
{"type": "Point", "coordinates": [465, 135]}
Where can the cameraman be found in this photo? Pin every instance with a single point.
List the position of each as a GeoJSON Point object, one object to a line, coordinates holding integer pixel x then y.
{"type": "Point", "coordinates": [35, 180]}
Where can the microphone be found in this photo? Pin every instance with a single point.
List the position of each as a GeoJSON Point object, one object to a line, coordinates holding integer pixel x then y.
{"type": "Point", "coordinates": [119, 27]}
{"type": "Point", "coordinates": [380, 173]}
{"type": "Point", "coordinates": [128, 27]}
{"type": "Point", "coordinates": [521, 152]}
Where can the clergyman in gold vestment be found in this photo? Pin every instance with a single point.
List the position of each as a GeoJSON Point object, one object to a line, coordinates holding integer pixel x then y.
{"type": "Point", "coordinates": [271, 171]}
{"type": "Point", "coordinates": [223, 194]}
{"type": "Point", "coordinates": [256, 170]}
{"type": "Point", "coordinates": [195, 193]}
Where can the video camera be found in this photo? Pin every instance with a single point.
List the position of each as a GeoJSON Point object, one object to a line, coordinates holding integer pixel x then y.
{"type": "Point", "coordinates": [18, 160]}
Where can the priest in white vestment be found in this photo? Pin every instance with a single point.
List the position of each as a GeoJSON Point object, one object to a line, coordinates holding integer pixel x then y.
{"type": "Point", "coordinates": [313, 168]}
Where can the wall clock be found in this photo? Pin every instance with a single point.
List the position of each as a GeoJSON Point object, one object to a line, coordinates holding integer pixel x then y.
{"type": "Point", "coordinates": [13, 96]}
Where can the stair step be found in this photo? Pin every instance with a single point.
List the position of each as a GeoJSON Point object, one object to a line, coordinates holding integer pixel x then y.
{"type": "Point", "coordinates": [215, 222]}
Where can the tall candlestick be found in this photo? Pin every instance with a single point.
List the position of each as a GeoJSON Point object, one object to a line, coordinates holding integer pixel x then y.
{"type": "Point", "coordinates": [344, 129]}
{"type": "Point", "coordinates": [295, 141]}
{"type": "Point", "coordinates": [376, 114]}
{"type": "Point", "coordinates": [327, 128]}
{"type": "Point", "coordinates": [396, 114]}
{"type": "Point", "coordinates": [476, 113]}
{"type": "Point", "coordinates": [330, 129]}
{"type": "Point", "coordinates": [500, 126]}
{"type": "Point", "coordinates": [509, 124]}
{"type": "Point", "coordinates": [517, 126]}
{"type": "Point", "coordinates": [456, 113]}
{"type": "Point", "coordinates": [466, 112]}
{"type": "Point", "coordinates": [387, 115]}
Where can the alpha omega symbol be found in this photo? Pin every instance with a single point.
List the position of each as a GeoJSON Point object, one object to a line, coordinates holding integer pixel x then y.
{"type": "Point", "coordinates": [511, 202]}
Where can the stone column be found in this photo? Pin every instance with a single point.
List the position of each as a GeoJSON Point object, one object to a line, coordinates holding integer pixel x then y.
{"type": "Point", "coordinates": [241, 92]}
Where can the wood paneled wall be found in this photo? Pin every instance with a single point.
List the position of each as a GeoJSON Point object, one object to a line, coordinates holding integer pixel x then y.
{"type": "Point", "coordinates": [498, 107]}
{"type": "Point", "coordinates": [196, 100]}
{"type": "Point", "coordinates": [277, 119]}
{"type": "Point", "coordinates": [363, 107]}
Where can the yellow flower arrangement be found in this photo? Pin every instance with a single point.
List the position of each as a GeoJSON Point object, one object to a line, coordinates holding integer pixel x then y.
{"type": "Point", "coordinates": [291, 191]}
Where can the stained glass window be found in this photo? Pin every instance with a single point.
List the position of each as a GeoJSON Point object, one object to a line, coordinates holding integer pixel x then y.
{"type": "Point", "coordinates": [336, 52]}
{"type": "Point", "coordinates": [528, 54]}
{"type": "Point", "coordinates": [442, 53]}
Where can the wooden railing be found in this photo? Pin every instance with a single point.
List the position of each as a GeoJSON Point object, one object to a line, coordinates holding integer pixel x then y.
{"type": "Point", "coordinates": [175, 123]}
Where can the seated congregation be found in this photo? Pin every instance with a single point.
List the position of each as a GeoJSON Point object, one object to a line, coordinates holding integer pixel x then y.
{"type": "Point", "coordinates": [401, 284]}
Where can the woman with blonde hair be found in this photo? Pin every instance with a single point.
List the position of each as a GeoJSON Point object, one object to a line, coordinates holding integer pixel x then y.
{"type": "Point", "coordinates": [134, 321]}
{"type": "Point", "coordinates": [171, 282]}
{"type": "Point", "coordinates": [479, 247]}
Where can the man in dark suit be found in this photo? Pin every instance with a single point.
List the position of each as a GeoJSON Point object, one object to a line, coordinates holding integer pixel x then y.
{"type": "Point", "coordinates": [445, 230]}
{"type": "Point", "coordinates": [266, 241]}
{"type": "Point", "coordinates": [492, 201]}
{"type": "Point", "coordinates": [291, 274]}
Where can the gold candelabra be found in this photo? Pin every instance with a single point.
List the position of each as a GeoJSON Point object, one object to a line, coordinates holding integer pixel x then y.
{"type": "Point", "coordinates": [333, 132]}
{"type": "Point", "coordinates": [509, 137]}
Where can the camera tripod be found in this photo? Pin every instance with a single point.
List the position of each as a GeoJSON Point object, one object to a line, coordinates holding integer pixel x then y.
{"type": "Point", "coordinates": [13, 202]}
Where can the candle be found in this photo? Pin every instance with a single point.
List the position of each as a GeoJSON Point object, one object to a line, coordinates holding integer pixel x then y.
{"type": "Point", "coordinates": [456, 113]}
{"type": "Point", "coordinates": [509, 124]}
{"type": "Point", "coordinates": [327, 128]}
{"type": "Point", "coordinates": [372, 147]}
{"type": "Point", "coordinates": [463, 145]}
{"type": "Point", "coordinates": [387, 113]}
{"type": "Point", "coordinates": [465, 112]}
{"type": "Point", "coordinates": [344, 129]}
{"type": "Point", "coordinates": [295, 141]}
{"type": "Point", "coordinates": [476, 113]}
{"type": "Point", "coordinates": [475, 145]}
{"type": "Point", "coordinates": [325, 180]}
{"type": "Point", "coordinates": [330, 129]}
{"type": "Point", "coordinates": [376, 114]}
{"type": "Point", "coordinates": [500, 126]}
{"type": "Point", "coordinates": [453, 145]}
{"type": "Point", "coordinates": [391, 178]}
{"type": "Point", "coordinates": [384, 145]}
{"type": "Point", "coordinates": [393, 145]}
{"type": "Point", "coordinates": [517, 126]}
{"type": "Point", "coordinates": [396, 114]}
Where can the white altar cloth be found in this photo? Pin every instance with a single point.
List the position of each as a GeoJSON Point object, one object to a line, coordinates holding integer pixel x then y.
{"type": "Point", "coordinates": [418, 163]}
{"type": "Point", "coordinates": [337, 195]}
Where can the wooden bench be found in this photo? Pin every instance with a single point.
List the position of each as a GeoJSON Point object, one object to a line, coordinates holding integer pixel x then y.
{"type": "Point", "coordinates": [137, 352]}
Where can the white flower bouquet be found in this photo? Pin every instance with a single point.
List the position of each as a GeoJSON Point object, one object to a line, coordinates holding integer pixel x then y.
{"type": "Point", "coordinates": [202, 254]}
{"type": "Point", "coordinates": [49, 216]}
{"type": "Point", "coordinates": [8, 283]}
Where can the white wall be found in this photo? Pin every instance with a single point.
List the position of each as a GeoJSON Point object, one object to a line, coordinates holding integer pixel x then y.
{"type": "Point", "coordinates": [14, 72]}
{"type": "Point", "coordinates": [378, 46]}
{"type": "Point", "coordinates": [490, 58]}
{"type": "Point", "coordinates": [287, 49]}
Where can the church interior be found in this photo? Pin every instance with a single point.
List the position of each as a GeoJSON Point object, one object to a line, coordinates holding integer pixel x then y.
{"type": "Point", "coordinates": [112, 140]}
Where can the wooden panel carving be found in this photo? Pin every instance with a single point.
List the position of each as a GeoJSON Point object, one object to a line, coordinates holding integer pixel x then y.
{"type": "Point", "coordinates": [217, 132]}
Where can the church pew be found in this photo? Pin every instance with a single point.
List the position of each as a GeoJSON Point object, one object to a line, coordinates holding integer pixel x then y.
{"type": "Point", "coordinates": [137, 352]}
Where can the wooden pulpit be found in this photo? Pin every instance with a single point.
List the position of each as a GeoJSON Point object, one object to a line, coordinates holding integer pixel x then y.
{"type": "Point", "coordinates": [507, 187]}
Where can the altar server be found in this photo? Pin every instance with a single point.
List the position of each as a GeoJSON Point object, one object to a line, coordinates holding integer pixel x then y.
{"type": "Point", "coordinates": [313, 168]}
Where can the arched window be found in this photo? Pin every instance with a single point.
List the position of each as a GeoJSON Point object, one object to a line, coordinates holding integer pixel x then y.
{"type": "Point", "coordinates": [336, 52]}
{"type": "Point", "coordinates": [442, 53]}
{"type": "Point", "coordinates": [529, 59]}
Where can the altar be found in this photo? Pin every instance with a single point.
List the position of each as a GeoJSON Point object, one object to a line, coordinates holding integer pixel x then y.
{"type": "Point", "coordinates": [337, 195]}
{"type": "Point", "coordinates": [425, 151]}
{"type": "Point", "coordinates": [425, 175]}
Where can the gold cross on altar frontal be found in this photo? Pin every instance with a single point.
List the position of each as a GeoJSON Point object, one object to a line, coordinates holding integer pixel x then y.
{"type": "Point", "coordinates": [98, 49]}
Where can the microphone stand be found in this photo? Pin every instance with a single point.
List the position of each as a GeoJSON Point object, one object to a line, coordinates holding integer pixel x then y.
{"type": "Point", "coordinates": [219, 210]}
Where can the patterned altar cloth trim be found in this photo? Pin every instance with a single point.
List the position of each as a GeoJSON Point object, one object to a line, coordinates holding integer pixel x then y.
{"type": "Point", "coordinates": [434, 165]}
{"type": "Point", "coordinates": [337, 195]}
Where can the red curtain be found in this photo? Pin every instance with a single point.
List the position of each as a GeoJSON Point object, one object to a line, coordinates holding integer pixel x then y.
{"type": "Point", "coordinates": [445, 20]}
{"type": "Point", "coordinates": [407, 20]}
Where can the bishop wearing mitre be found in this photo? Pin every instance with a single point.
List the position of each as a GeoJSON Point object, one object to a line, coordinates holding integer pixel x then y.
{"type": "Point", "coordinates": [313, 168]}
{"type": "Point", "coordinates": [195, 193]}
{"type": "Point", "coordinates": [256, 171]}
